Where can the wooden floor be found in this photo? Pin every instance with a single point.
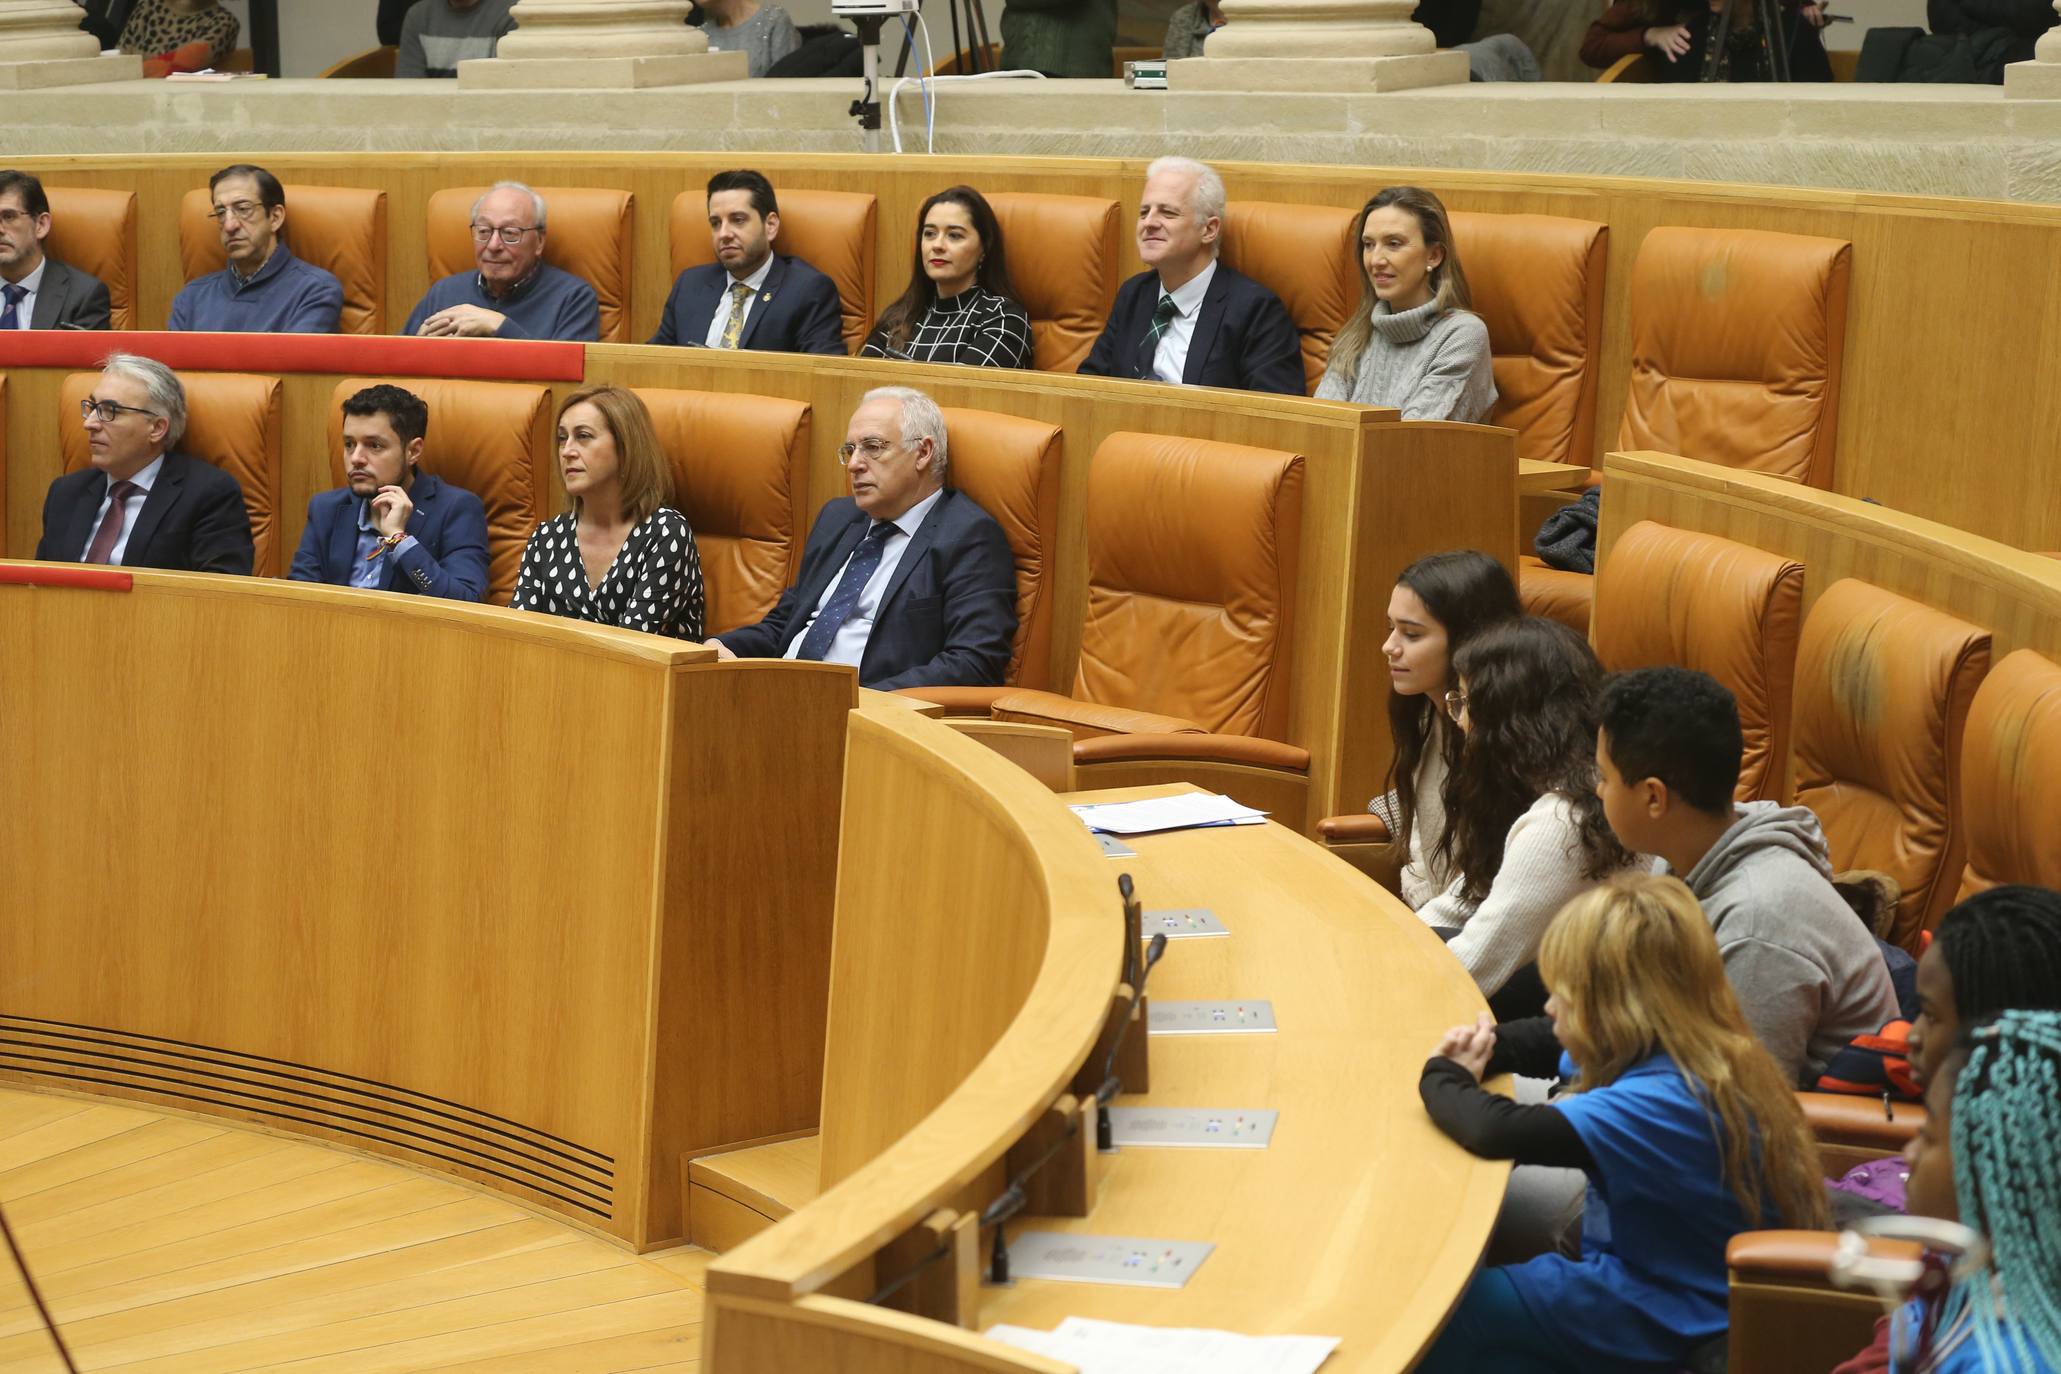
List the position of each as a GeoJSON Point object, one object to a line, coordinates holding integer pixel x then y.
{"type": "Point", "coordinates": [170, 1243]}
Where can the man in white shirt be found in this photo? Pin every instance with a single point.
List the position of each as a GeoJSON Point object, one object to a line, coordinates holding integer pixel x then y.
{"type": "Point", "coordinates": [750, 296]}
{"type": "Point", "coordinates": [906, 580]}
{"type": "Point", "coordinates": [36, 290]}
{"type": "Point", "coordinates": [1188, 319]}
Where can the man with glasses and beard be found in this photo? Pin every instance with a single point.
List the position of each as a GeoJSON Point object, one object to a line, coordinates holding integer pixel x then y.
{"type": "Point", "coordinates": [36, 290]}
{"type": "Point", "coordinates": [514, 294]}
{"type": "Point", "coordinates": [265, 289]}
{"type": "Point", "coordinates": [139, 504]}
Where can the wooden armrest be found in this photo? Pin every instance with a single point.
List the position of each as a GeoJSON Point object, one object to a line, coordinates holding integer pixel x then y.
{"type": "Point", "coordinates": [1785, 1255]}
{"type": "Point", "coordinates": [958, 701]}
{"type": "Point", "coordinates": [1846, 1119]}
{"type": "Point", "coordinates": [1191, 747]}
{"type": "Point", "coordinates": [1087, 719]}
{"type": "Point", "coordinates": [1362, 828]}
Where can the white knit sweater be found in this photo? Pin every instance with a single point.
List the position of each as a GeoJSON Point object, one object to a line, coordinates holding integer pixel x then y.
{"type": "Point", "coordinates": [1428, 363]}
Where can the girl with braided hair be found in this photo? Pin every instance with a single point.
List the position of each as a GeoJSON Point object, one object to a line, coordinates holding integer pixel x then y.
{"type": "Point", "coordinates": [1998, 951]}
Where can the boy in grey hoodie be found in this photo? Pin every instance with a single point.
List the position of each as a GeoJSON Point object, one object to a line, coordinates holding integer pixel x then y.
{"type": "Point", "coordinates": [1807, 972]}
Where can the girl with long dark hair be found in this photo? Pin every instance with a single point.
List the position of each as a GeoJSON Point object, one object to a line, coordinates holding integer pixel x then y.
{"type": "Point", "coordinates": [960, 306]}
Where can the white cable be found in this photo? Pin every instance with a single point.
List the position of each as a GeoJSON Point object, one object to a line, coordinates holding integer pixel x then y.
{"type": "Point", "coordinates": [895, 91]}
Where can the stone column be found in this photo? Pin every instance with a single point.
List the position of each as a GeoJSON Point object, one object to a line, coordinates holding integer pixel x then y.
{"type": "Point", "coordinates": [2039, 79]}
{"type": "Point", "coordinates": [1318, 45]}
{"type": "Point", "coordinates": [601, 45]}
{"type": "Point", "coordinates": [41, 44]}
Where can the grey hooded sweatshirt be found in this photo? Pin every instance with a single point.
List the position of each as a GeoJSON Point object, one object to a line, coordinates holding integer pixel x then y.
{"type": "Point", "coordinates": [1807, 972]}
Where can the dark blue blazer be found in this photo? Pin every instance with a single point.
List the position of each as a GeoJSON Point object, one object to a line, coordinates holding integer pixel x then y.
{"type": "Point", "coordinates": [194, 520]}
{"type": "Point", "coordinates": [1243, 336]}
{"type": "Point", "coordinates": [449, 558]}
{"type": "Point", "coordinates": [797, 310]}
{"type": "Point", "coordinates": [948, 618]}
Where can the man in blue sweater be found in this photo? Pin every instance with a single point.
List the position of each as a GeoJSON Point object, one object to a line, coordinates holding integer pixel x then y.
{"type": "Point", "coordinates": [265, 289]}
{"type": "Point", "coordinates": [514, 294]}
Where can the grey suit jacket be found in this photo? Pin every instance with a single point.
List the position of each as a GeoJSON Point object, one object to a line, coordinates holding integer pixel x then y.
{"type": "Point", "coordinates": [70, 299]}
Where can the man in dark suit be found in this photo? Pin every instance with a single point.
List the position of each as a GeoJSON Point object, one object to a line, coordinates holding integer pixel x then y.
{"type": "Point", "coordinates": [36, 290]}
{"type": "Point", "coordinates": [908, 581]}
{"type": "Point", "coordinates": [750, 296]}
{"type": "Point", "coordinates": [1187, 318]}
{"type": "Point", "coordinates": [390, 527]}
{"type": "Point", "coordinates": [140, 505]}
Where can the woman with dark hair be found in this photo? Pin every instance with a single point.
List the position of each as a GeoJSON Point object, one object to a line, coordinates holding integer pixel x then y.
{"type": "Point", "coordinates": [960, 307]}
{"type": "Point", "coordinates": [1415, 342]}
{"type": "Point", "coordinates": [1525, 831]}
{"type": "Point", "coordinates": [1678, 32]}
{"type": "Point", "coordinates": [1440, 602]}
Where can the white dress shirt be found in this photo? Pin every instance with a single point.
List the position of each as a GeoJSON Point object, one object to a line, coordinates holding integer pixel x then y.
{"type": "Point", "coordinates": [849, 644]}
{"type": "Point", "coordinates": [133, 511]}
{"type": "Point", "coordinates": [721, 319]}
{"type": "Point", "coordinates": [33, 285]}
{"type": "Point", "coordinates": [1172, 358]}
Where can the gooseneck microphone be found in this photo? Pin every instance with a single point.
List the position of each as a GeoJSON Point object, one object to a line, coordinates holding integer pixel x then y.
{"type": "Point", "coordinates": [1111, 1084]}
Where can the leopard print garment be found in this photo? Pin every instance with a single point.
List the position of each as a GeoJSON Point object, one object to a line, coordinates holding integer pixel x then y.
{"type": "Point", "coordinates": [155, 28]}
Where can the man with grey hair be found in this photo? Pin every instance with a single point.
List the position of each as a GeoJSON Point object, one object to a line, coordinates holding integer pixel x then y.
{"type": "Point", "coordinates": [1188, 319]}
{"type": "Point", "coordinates": [907, 580]}
{"type": "Point", "coordinates": [514, 294]}
{"type": "Point", "coordinates": [138, 504]}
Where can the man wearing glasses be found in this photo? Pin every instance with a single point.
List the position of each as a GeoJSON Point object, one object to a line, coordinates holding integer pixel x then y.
{"type": "Point", "coordinates": [36, 290]}
{"type": "Point", "coordinates": [265, 289]}
{"type": "Point", "coordinates": [139, 504]}
{"type": "Point", "coordinates": [514, 294]}
{"type": "Point", "coordinates": [906, 580]}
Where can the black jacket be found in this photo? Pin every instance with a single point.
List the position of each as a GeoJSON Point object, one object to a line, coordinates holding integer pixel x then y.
{"type": "Point", "coordinates": [71, 299]}
{"type": "Point", "coordinates": [1243, 336]}
{"type": "Point", "coordinates": [194, 520]}
{"type": "Point", "coordinates": [797, 310]}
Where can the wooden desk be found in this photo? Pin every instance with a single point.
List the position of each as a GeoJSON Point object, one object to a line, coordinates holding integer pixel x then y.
{"type": "Point", "coordinates": [1535, 477]}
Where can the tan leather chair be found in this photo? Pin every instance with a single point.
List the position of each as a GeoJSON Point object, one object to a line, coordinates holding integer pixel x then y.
{"type": "Point", "coordinates": [832, 231]}
{"type": "Point", "coordinates": [1883, 687]}
{"type": "Point", "coordinates": [1737, 337]}
{"type": "Point", "coordinates": [95, 231]}
{"type": "Point", "coordinates": [340, 229]}
{"type": "Point", "coordinates": [740, 475]}
{"type": "Point", "coordinates": [1305, 255]}
{"type": "Point", "coordinates": [1185, 648]}
{"type": "Point", "coordinates": [493, 439]}
{"type": "Point", "coordinates": [2011, 776]}
{"type": "Point", "coordinates": [1063, 261]}
{"type": "Point", "coordinates": [232, 421]}
{"type": "Point", "coordinates": [587, 234]}
{"type": "Point", "coordinates": [1785, 1313]}
{"type": "Point", "coordinates": [1668, 596]}
{"type": "Point", "coordinates": [1010, 467]}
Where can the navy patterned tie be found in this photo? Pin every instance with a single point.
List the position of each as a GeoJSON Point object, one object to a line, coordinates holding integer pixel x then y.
{"type": "Point", "coordinates": [1148, 350]}
{"type": "Point", "coordinates": [10, 317]}
{"type": "Point", "coordinates": [864, 562]}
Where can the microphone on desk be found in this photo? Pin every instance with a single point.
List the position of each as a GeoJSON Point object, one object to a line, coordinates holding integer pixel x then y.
{"type": "Point", "coordinates": [1111, 1084]}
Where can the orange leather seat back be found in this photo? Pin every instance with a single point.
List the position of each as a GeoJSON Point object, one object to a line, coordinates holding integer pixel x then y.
{"type": "Point", "coordinates": [493, 439]}
{"type": "Point", "coordinates": [340, 229]}
{"type": "Point", "coordinates": [1193, 552]}
{"type": "Point", "coordinates": [1063, 262]}
{"type": "Point", "coordinates": [1668, 596]}
{"type": "Point", "coordinates": [2011, 776]}
{"type": "Point", "coordinates": [95, 231]}
{"type": "Point", "coordinates": [1537, 282]}
{"type": "Point", "coordinates": [1883, 687]}
{"type": "Point", "coordinates": [740, 476]}
{"type": "Point", "coordinates": [232, 421]}
{"type": "Point", "coordinates": [1304, 254]}
{"type": "Point", "coordinates": [587, 234]}
{"type": "Point", "coordinates": [1737, 336]}
{"type": "Point", "coordinates": [831, 231]}
{"type": "Point", "coordinates": [1009, 466]}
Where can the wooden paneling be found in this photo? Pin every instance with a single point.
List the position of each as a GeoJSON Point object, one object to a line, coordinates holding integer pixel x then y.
{"type": "Point", "coordinates": [1946, 410]}
{"type": "Point", "coordinates": [486, 890]}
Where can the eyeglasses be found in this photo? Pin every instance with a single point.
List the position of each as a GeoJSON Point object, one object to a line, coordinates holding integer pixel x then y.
{"type": "Point", "coordinates": [244, 210]}
{"type": "Point", "coordinates": [874, 449]}
{"type": "Point", "coordinates": [10, 218]}
{"type": "Point", "coordinates": [1456, 702]}
{"type": "Point", "coordinates": [107, 410]}
{"type": "Point", "coordinates": [509, 234]}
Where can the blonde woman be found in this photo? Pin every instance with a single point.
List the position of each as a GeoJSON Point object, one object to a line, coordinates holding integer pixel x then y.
{"type": "Point", "coordinates": [1686, 1128]}
{"type": "Point", "coordinates": [1415, 343]}
{"type": "Point", "coordinates": [621, 556]}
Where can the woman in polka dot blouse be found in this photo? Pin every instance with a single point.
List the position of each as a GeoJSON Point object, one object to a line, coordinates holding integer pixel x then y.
{"type": "Point", "coordinates": [621, 556]}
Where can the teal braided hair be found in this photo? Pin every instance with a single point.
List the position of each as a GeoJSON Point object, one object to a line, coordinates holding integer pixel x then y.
{"type": "Point", "coordinates": [2007, 1179]}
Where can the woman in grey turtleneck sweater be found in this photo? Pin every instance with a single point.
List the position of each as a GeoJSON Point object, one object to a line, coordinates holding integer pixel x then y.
{"type": "Point", "coordinates": [1414, 343]}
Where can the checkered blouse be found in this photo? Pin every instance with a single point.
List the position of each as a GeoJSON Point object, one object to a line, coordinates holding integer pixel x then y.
{"type": "Point", "coordinates": [976, 327]}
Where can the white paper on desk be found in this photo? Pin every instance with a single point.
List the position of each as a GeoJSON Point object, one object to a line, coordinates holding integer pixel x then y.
{"type": "Point", "coordinates": [1187, 811]}
{"type": "Point", "coordinates": [1099, 1347]}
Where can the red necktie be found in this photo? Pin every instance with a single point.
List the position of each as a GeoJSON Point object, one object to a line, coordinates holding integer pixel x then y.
{"type": "Point", "coordinates": [110, 531]}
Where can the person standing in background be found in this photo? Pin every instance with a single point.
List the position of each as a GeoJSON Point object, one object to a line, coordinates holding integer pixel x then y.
{"type": "Point", "coordinates": [437, 35]}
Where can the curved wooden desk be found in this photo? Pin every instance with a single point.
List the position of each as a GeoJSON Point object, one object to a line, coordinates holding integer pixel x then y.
{"type": "Point", "coordinates": [508, 897]}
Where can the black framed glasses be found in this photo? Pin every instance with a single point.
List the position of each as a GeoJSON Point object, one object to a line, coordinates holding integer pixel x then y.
{"type": "Point", "coordinates": [107, 410]}
{"type": "Point", "coordinates": [510, 234]}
